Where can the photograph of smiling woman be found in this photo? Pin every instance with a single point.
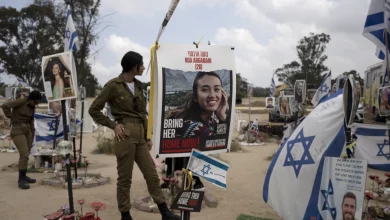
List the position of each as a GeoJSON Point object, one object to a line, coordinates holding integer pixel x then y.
{"type": "Point", "coordinates": [204, 108]}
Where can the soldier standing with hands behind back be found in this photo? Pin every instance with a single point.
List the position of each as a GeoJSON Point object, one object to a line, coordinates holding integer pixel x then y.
{"type": "Point", "coordinates": [125, 96]}
{"type": "Point", "coordinates": [21, 112]}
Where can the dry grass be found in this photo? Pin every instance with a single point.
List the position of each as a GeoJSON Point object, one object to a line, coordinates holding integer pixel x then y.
{"type": "Point", "coordinates": [218, 156]}
{"type": "Point", "coordinates": [105, 145]}
{"type": "Point", "coordinates": [236, 146]}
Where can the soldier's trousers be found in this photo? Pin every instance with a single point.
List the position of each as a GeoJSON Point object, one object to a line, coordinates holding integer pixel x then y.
{"type": "Point", "coordinates": [134, 149]}
{"type": "Point", "coordinates": [22, 137]}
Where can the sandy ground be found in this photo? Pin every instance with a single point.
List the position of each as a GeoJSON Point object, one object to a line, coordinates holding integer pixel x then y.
{"type": "Point", "coordinates": [243, 196]}
{"type": "Point", "coordinates": [244, 193]}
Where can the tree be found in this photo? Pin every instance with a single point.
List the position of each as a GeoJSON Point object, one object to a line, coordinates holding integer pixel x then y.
{"type": "Point", "coordinates": [38, 30]}
{"type": "Point", "coordinates": [311, 56]}
{"type": "Point", "coordinates": [241, 86]}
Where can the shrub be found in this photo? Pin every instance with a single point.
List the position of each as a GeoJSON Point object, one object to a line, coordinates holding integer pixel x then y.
{"type": "Point", "coordinates": [105, 145]}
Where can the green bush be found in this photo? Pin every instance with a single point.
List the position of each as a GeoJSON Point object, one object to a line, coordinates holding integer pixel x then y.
{"type": "Point", "coordinates": [105, 145]}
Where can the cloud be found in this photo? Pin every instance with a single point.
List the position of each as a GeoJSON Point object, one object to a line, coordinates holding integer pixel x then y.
{"type": "Point", "coordinates": [116, 47]}
{"type": "Point", "coordinates": [282, 23]}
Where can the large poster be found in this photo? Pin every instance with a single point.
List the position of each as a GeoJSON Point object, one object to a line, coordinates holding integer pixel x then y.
{"type": "Point", "coordinates": [342, 188]}
{"type": "Point", "coordinates": [194, 95]}
{"type": "Point", "coordinates": [59, 79]}
{"type": "Point", "coordinates": [300, 91]}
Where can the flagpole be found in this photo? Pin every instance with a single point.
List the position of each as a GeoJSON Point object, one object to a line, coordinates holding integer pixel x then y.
{"type": "Point", "coordinates": [387, 74]}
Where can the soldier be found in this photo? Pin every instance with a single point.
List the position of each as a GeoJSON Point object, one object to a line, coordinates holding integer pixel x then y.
{"type": "Point", "coordinates": [125, 96]}
{"type": "Point", "coordinates": [21, 113]}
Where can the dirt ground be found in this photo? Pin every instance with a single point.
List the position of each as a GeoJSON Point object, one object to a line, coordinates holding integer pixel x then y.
{"type": "Point", "coordinates": [243, 195]}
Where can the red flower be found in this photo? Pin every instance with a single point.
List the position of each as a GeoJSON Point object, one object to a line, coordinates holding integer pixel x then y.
{"type": "Point", "coordinates": [69, 217]}
{"type": "Point", "coordinates": [173, 179]}
{"type": "Point", "coordinates": [376, 177]}
{"type": "Point", "coordinates": [372, 177]}
{"type": "Point", "coordinates": [98, 206]}
{"type": "Point", "coordinates": [387, 174]}
{"type": "Point", "coordinates": [73, 161]}
{"type": "Point", "coordinates": [379, 181]}
{"type": "Point", "coordinates": [87, 162]}
{"type": "Point", "coordinates": [369, 196]}
{"type": "Point", "coordinates": [81, 201]}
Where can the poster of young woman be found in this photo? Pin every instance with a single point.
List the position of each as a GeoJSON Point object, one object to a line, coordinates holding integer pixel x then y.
{"type": "Point", "coordinates": [59, 77]}
{"type": "Point", "coordinates": [194, 99]}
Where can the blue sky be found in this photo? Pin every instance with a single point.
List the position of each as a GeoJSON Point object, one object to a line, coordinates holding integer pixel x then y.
{"type": "Point", "coordinates": [264, 33]}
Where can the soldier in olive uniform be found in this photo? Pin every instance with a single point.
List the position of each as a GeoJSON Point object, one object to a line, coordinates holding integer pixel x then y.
{"type": "Point", "coordinates": [21, 113]}
{"type": "Point", "coordinates": [125, 96]}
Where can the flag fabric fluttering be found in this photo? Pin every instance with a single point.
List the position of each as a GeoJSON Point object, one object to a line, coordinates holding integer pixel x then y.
{"type": "Point", "coordinates": [323, 91]}
{"type": "Point", "coordinates": [71, 38]}
{"type": "Point", "coordinates": [45, 128]}
{"type": "Point", "coordinates": [376, 22]}
{"type": "Point", "coordinates": [299, 162]}
{"type": "Point", "coordinates": [209, 168]}
{"type": "Point", "coordinates": [272, 88]}
{"type": "Point", "coordinates": [373, 145]}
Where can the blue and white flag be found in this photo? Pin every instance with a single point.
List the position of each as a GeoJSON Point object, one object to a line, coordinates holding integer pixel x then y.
{"type": "Point", "coordinates": [71, 38]}
{"type": "Point", "coordinates": [376, 22]}
{"type": "Point", "coordinates": [293, 180]}
{"type": "Point", "coordinates": [324, 89]}
{"type": "Point", "coordinates": [272, 88]}
{"type": "Point", "coordinates": [45, 128]}
{"type": "Point", "coordinates": [209, 168]}
{"type": "Point", "coordinates": [373, 145]}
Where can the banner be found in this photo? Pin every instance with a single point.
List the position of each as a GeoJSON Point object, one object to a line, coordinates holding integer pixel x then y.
{"type": "Point", "coordinates": [196, 87]}
{"type": "Point", "coordinates": [296, 169]}
{"type": "Point", "coordinates": [342, 188]}
{"type": "Point", "coordinates": [373, 145]}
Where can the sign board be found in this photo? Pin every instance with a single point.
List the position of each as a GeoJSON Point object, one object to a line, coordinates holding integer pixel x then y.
{"type": "Point", "coordinates": [349, 98]}
{"type": "Point", "coordinates": [383, 101]}
{"type": "Point", "coordinates": [300, 91]}
{"type": "Point", "coordinates": [193, 99]}
{"type": "Point", "coordinates": [190, 201]}
{"type": "Point", "coordinates": [342, 188]}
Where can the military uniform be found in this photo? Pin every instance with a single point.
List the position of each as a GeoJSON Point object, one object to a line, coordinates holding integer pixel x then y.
{"type": "Point", "coordinates": [129, 110]}
{"type": "Point", "coordinates": [22, 133]}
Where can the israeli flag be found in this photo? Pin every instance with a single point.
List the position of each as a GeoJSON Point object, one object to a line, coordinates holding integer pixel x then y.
{"type": "Point", "coordinates": [323, 91]}
{"type": "Point", "coordinates": [373, 145]}
{"type": "Point", "coordinates": [71, 37]}
{"type": "Point", "coordinates": [293, 180]}
{"type": "Point", "coordinates": [45, 128]}
{"type": "Point", "coordinates": [209, 168]}
{"type": "Point", "coordinates": [376, 22]}
{"type": "Point", "coordinates": [272, 88]}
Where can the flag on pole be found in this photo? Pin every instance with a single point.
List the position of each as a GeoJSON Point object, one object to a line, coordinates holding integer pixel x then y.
{"type": "Point", "coordinates": [376, 22]}
{"type": "Point", "coordinates": [272, 88]}
{"type": "Point", "coordinates": [373, 145]}
{"type": "Point", "coordinates": [299, 162]}
{"type": "Point", "coordinates": [71, 37]}
{"type": "Point", "coordinates": [209, 168]}
{"type": "Point", "coordinates": [324, 89]}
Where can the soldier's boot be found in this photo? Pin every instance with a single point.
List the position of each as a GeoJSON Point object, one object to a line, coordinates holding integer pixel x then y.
{"type": "Point", "coordinates": [30, 180]}
{"type": "Point", "coordinates": [22, 180]}
{"type": "Point", "coordinates": [166, 213]}
{"type": "Point", "coordinates": [126, 216]}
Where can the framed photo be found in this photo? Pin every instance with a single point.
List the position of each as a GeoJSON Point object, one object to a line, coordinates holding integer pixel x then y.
{"type": "Point", "coordinates": [383, 101]}
{"type": "Point", "coordinates": [285, 105]}
{"type": "Point", "coordinates": [270, 102]}
{"type": "Point", "coordinates": [300, 91]}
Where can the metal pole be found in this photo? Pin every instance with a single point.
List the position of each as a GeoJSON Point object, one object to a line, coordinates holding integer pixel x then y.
{"type": "Point", "coordinates": [82, 124]}
{"type": "Point", "coordinates": [55, 133]}
{"type": "Point", "coordinates": [75, 157]}
{"type": "Point", "coordinates": [68, 171]}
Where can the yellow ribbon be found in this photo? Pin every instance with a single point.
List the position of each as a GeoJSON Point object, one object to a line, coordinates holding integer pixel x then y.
{"type": "Point", "coordinates": [151, 96]}
{"type": "Point", "coordinates": [189, 178]}
{"type": "Point", "coordinates": [351, 147]}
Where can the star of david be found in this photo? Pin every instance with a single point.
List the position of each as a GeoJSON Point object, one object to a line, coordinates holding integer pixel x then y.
{"type": "Point", "coordinates": [52, 125]}
{"type": "Point", "coordinates": [381, 147]}
{"type": "Point", "coordinates": [206, 169]}
{"type": "Point", "coordinates": [326, 206]}
{"type": "Point", "coordinates": [324, 88]}
{"type": "Point", "coordinates": [306, 158]}
{"type": "Point", "coordinates": [67, 33]}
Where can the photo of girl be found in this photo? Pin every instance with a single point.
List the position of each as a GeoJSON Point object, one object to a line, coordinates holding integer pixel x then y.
{"type": "Point", "coordinates": [383, 99]}
{"type": "Point", "coordinates": [196, 106]}
{"type": "Point", "coordinates": [284, 106]}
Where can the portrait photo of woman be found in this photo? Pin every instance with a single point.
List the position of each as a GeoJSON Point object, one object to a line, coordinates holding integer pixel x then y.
{"type": "Point", "coordinates": [204, 107]}
{"type": "Point", "coordinates": [58, 78]}
{"type": "Point", "coordinates": [284, 106]}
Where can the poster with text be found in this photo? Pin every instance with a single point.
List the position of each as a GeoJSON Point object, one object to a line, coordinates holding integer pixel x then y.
{"type": "Point", "coordinates": [194, 99]}
{"type": "Point", "coordinates": [342, 188]}
{"type": "Point", "coordinates": [59, 78]}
